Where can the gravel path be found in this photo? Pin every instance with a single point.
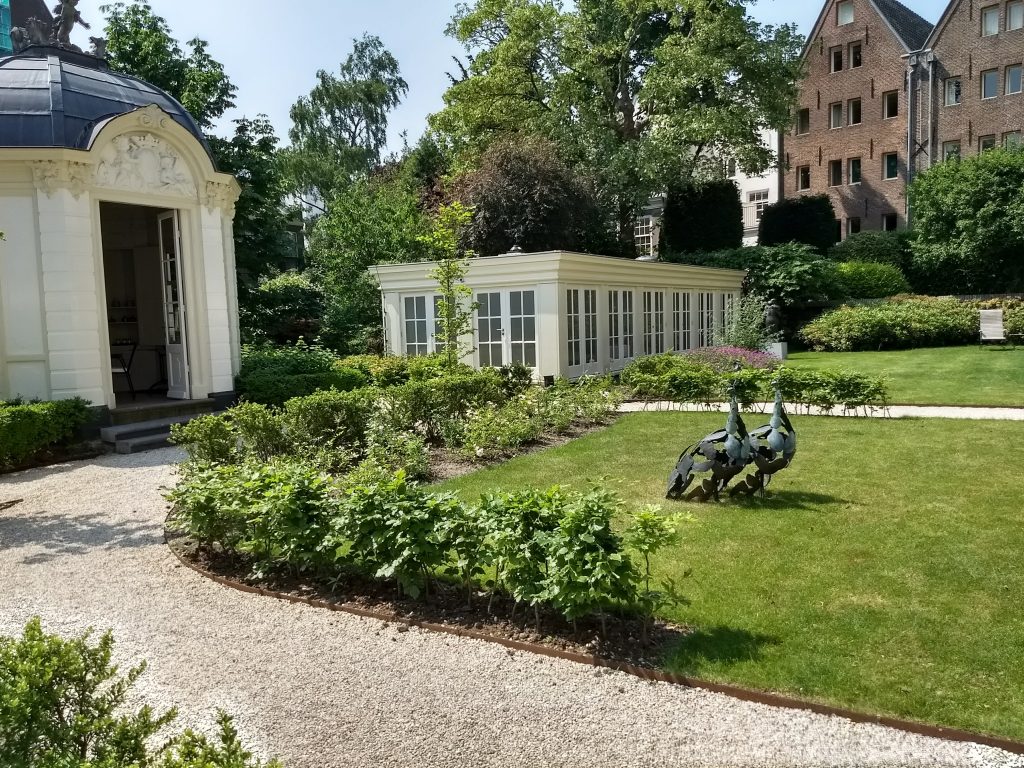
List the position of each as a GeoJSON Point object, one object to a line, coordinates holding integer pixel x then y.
{"type": "Point", "coordinates": [323, 689]}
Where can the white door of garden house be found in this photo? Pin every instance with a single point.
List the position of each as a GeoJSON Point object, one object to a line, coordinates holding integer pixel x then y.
{"type": "Point", "coordinates": [581, 336]}
{"type": "Point", "coordinates": [174, 306]}
{"type": "Point", "coordinates": [506, 325]}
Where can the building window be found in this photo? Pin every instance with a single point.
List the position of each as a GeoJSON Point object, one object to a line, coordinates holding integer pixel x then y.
{"type": "Point", "coordinates": [853, 112]}
{"type": "Point", "coordinates": [523, 319]}
{"type": "Point", "coordinates": [989, 83]}
{"type": "Point", "coordinates": [855, 56]}
{"type": "Point", "coordinates": [490, 334]}
{"type": "Point", "coordinates": [582, 326]}
{"type": "Point", "coordinates": [1013, 83]}
{"type": "Point", "coordinates": [853, 225]}
{"type": "Point", "coordinates": [620, 325]}
{"type": "Point", "coordinates": [803, 178]}
{"type": "Point", "coordinates": [417, 341]}
{"type": "Point", "coordinates": [835, 115]}
{"type": "Point", "coordinates": [835, 173]}
{"type": "Point", "coordinates": [653, 322]}
{"type": "Point", "coordinates": [614, 342]}
{"type": "Point", "coordinates": [573, 328]}
{"type": "Point", "coordinates": [803, 122]}
{"type": "Point", "coordinates": [837, 59]}
{"type": "Point", "coordinates": [680, 322]}
{"type": "Point", "coordinates": [844, 12]}
{"type": "Point", "coordinates": [1012, 139]}
{"type": "Point", "coordinates": [985, 143]}
{"type": "Point", "coordinates": [951, 150]}
{"type": "Point", "coordinates": [759, 199]}
{"type": "Point", "coordinates": [590, 326]}
{"type": "Point", "coordinates": [890, 165]}
{"type": "Point", "coordinates": [990, 21]}
{"type": "Point", "coordinates": [890, 104]}
{"type": "Point", "coordinates": [647, 327]}
{"type": "Point", "coordinates": [730, 168]}
{"type": "Point", "coordinates": [853, 170]}
{"type": "Point", "coordinates": [953, 94]}
{"type": "Point", "coordinates": [627, 325]}
{"type": "Point", "coordinates": [659, 322]}
{"type": "Point", "coordinates": [889, 222]}
{"type": "Point", "coordinates": [643, 235]}
{"type": "Point", "coordinates": [1014, 16]}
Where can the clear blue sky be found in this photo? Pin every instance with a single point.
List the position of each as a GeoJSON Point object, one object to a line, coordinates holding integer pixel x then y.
{"type": "Point", "coordinates": [273, 49]}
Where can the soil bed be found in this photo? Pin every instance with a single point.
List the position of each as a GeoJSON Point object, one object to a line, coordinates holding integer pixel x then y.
{"type": "Point", "coordinates": [446, 605]}
{"type": "Point", "coordinates": [58, 454]}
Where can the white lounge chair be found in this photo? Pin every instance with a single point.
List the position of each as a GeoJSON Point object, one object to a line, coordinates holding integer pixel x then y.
{"type": "Point", "coordinates": [992, 328]}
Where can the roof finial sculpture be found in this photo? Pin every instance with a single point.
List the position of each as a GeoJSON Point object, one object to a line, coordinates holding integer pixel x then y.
{"type": "Point", "coordinates": [35, 32]}
{"type": "Point", "coordinates": [65, 16]}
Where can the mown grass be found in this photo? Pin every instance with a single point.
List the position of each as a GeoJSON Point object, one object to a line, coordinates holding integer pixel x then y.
{"type": "Point", "coordinates": [990, 375]}
{"type": "Point", "coordinates": [883, 572]}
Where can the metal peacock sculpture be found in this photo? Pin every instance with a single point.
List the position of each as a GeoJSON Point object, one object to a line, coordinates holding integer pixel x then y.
{"type": "Point", "coordinates": [726, 453]}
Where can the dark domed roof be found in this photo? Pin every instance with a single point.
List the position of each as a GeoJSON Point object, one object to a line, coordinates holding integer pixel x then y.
{"type": "Point", "coordinates": [51, 97]}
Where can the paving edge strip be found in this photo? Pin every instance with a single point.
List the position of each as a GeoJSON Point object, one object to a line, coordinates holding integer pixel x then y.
{"type": "Point", "coordinates": [645, 673]}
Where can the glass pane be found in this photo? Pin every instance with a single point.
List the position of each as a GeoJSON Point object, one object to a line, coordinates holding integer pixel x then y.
{"type": "Point", "coordinates": [528, 308]}
{"type": "Point", "coordinates": [516, 303]}
{"type": "Point", "coordinates": [482, 302]}
{"type": "Point", "coordinates": [517, 329]}
{"type": "Point", "coordinates": [530, 356]}
{"type": "Point", "coordinates": [529, 329]}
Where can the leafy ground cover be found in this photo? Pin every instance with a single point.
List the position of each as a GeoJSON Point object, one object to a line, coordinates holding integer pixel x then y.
{"type": "Point", "coordinates": [882, 572]}
{"type": "Point", "coordinates": [990, 375]}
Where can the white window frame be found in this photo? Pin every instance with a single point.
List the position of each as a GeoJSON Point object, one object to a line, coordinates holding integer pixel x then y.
{"type": "Point", "coordinates": [416, 335]}
{"type": "Point", "coordinates": [643, 235]}
{"type": "Point", "coordinates": [835, 116]}
{"type": "Point", "coordinates": [995, 85]}
{"type": "Point", "coordinates": [705, 319]}
{"type": "Point", "coordinates": [985, 15]}
{"type": "Point", "coordinates": [1014, 15]}
{"type": "Point", "coordinates": [885, 166]}
{"type": "Point", "coordinates": [953, 87]}
{"type": "Point", "coordinates": [582, 334]}
{"type": "Point", "coordinates": [844, 13]}
{"type": "Point", "coordinates": [948, 146]}
{"type": "Point", "coordinates": [1007, 79]}
{"type": "Point", "coordinates": [759, 199]}
{"type": "Point", "coordinates": [849, 111]}
{"type": "Point", "coordinates": [849, 170]}
{"type": "Point", "coordinates": [800, 186]}
{"type": "Point", "coordinates": [886, 114]}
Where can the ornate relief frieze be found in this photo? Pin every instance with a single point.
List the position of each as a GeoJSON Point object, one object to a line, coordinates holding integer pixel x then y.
{"type": "Point", "coordinates": [143, 162]}
{"type": "Point", "coordinates": [51, 175]}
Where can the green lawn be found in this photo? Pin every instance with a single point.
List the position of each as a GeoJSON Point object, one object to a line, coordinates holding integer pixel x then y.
{"type": "Point", "coordinates": [884, 572]}
{"type": "Point", "coordinates": [990, 375]}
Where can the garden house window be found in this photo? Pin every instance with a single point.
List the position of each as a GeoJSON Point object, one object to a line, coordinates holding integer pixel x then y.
{"type": "Point", "coordinates": [989, 83]}
{"type": "Point", "coordinates": [523, 328]}
{"type": "Point", "coordinates": [853, 170]}
{"type": "Point", "coordinates": [628, 349]}
{"type": "Point", "coordinates": [953, 92]}
{"type": "Point", "coordinates": [951, 150]}
{"type": "Point", "coordinates": [705, 318]}
{"type": "Point", "coordinates": [985, 143]}
{"type": "Point", "coordinates": [837, 59]}
{"type": "Point", "coordinates": [855, 55]}
{"type": "Point", "coordinates": [620, 325]}
{"type": "Point", "coordinates": [835, 173]}
{"type": "Point", "coordinates": [890, 104]}
{"type": "Point", "coordinates": [614, 342]}
{"type": "Point", "coordinates": [835, 115]}
{"type": "Point", "coordinates": [1014, 15]}
{"type": "Point", "coordinates": [990, 21]}
{"type": "Point", "coordinates": [803, 177]}
{"type": "Point", "coordinates": [438, 336]}
{"type": "Point", "coordinates": [844, 12]}
{"type": "Point", "coordinates": [1013, 79]}
{"type": "Point", "coordinates": [653, 322]}
{"type": "Point", "coordinates": [417, 341]}
{"type": "Point", "coordinates": [803, 122]}
{"type": "Point", "coordinates": [582, 326]}
{"type": "Point", "coordinates": [643, 235]}
{"type": "Point", "coordinates": [590, 326]}
{"type": "Point", "coordinates": [680, 321]}
{"type": "Point", "coordinates": [890, 166]}
{"type": "Point", "coordinates": [490, 341]}
{"type": "Point", "coordinates": [853, 112]}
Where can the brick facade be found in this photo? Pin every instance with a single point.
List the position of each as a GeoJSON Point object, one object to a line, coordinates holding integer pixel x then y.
{"type": "Point", "coordinates": [957, 49]}
{"type": "Point", "coordinates": [980, 43]}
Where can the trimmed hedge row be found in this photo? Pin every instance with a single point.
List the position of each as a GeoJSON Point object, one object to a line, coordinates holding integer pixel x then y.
{"type": "Point", "coordinates": [27, 429]}
{"type": "Point", "coordinates": [678, 379]}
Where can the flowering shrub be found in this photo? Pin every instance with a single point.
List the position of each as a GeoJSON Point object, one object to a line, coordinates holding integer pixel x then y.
{"type": "Point", "coordinates": [724, 359]}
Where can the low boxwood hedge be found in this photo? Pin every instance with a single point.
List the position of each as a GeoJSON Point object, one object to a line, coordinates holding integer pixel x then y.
{"type": "Point", "coordinates": [27, 429]}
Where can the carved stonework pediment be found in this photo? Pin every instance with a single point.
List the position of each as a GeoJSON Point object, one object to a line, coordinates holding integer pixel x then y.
{"type": "Point", "coordinates": [142, 162]}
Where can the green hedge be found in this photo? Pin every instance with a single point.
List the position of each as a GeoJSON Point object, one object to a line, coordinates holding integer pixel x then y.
{"type": "Point", "coordinates": [27, 429]}
{"type": "Point", "coordinates": [902, 323]}
{"type": "Point", "coordinates": [870, 280]}
{"type": "Point", "coordinates": [879, 247]}
{"type": "Point", "coordinates": [273, 374]}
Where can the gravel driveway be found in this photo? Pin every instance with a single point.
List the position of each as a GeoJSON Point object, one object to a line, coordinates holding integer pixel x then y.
{"type": "Point", "coordinates": [324, 689]}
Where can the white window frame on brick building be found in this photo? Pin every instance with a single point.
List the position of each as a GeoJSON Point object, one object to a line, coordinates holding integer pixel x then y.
{"type": "Point", "coordinates": [855, 55]}
{"type": "Point", "coordinates": [835, 115]}
{"type": "Point", "coordinates": [890, 221]}
{"type": "Point", "coordinates": [986, 142]}
{"type": "Point", "coordinates": [1014, 15]}
{"type": "Point", "coordinates": [853, 170]}
{"type": "Point", "coordinates": [803, 178]}
{"type": "Point", "coordinates": [989, 79]}
{"type": "Point", "coordinates": [844, 13]}
{"type": "Point", "coordinates": [886, 176]}
{"type": "Point", "coordinates": [854, 114]}
{"type": "Point", "coordinates": [835, 57]}
{"type": "Point", "coordinates": [953, 91]}
{"type": "Point", "coordinates": [835, 173]}
{"type": "Point", "coordinates": [1012, 139]}
{"type": "Point", "coordinates": [803, 122]}
{"type": "Point", "coordinates": [951, 150]}
{"type": "Point", "coordinates": [1013, 79]}
{"type": "Point", "coordinates": [990, 21]}
{"type": "Point", "coordinates": [890, 105]}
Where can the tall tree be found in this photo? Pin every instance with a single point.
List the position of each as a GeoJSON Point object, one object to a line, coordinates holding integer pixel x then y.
{"type": "Point", "coordinates": [262, 242]}
{"type": "Point", "coordinates": [339, 130]}
{"type": "Point", "coordinates": [139, 43]}
{"type": "Point", "coordinates": [640, 93]}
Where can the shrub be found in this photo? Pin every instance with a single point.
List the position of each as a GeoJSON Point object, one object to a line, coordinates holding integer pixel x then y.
{"type": "Point", "coordinates": [282, 309]}
{"type": "Point", "coordinates": [427, 406]}
{"type": "Point", "coordinates": [891, 248]}
{"type": "Point", "coordinates": [259, 430]}
{"type": "Point", "coordinates": [273, 374]}
{"type": "Point", "coordinates": [897, 324]}
{"type": "Point", "coordinates": [495, 431]}
{"type": "Point", "coordinates": [330, 419]}
{"type": "Point", "coordinates": [705, 216]}
{"type": "Point", "coordinates": [208, 439]}
{"type": "Point", "coordinates": [65, 704]}
{"type": "Point", "coordinates": [583, 403]}
{"type": "Point", "coordinates": [394, 450]}
{"type": "Point", "coordinates": [724, 359]}
{"type": "Point", "coordinates": [870, 280]}
{"type": "Point", "coordinates": [27, 429]}
{"type": "Point", "coordinates": [808, 219]}
{"type": "Point", "coordinates": [746, 325]}
{"type": "Point", "coordinates": [380, 370]}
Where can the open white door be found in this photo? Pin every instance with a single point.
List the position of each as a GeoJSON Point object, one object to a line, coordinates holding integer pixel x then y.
{"type": "Point", "coordinates": [174, 306]}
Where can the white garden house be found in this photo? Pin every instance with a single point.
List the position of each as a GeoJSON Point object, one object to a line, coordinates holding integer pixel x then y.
{"type": "Point", "coordinates": [563, 314]}
{"type": "Point", "coordinates": [117, 272]}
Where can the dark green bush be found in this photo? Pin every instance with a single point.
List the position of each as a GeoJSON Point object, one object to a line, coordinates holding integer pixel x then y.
{"type": "Point", "coordinates": [870, 280]}
{"type": "Point", "coordinates": [330, 419]}
{"type": "Point", "coordinates": [208, 439]}
{"type": "Point", "coordinates": [428, 405]}
{"type": "Point", "coordinates": [897, 324]}
{"type": "Point", "coordinates": [27, 429]}
{"type": "Point", "coordinates": [496, 431]}
{"type": "Point", "coordinates": [380, 370]}
{"type": "Point", "coordinates": [273, 374]}
{"type": "Point", "coordinates": [808, 219]}
{"type": "Point", "coordinates": [282, 309]}
{"type": "Point", "coordinates": [702, 217]}
{"type": "Point", "coordinates": [879, 247]}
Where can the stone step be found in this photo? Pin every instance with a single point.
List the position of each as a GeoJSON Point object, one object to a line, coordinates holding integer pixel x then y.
{"type": "Point", "coordinates": [131, 414]}
{"type": "Point", "coordinates": [143, 443]}
{"type": "Point", "coordinates": [143, 428]}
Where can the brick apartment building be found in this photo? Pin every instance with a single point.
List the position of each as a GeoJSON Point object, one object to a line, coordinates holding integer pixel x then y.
{"type": "Point", "coordinates": [886, 94]}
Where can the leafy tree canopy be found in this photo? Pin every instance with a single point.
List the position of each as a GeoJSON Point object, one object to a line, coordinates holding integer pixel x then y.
{"type": "Point", "coordinates": [339, 130]}
{"type": "Point", "coordinates": [640, 93]}
{"type": "Point", "coordinates": [139, 43]}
